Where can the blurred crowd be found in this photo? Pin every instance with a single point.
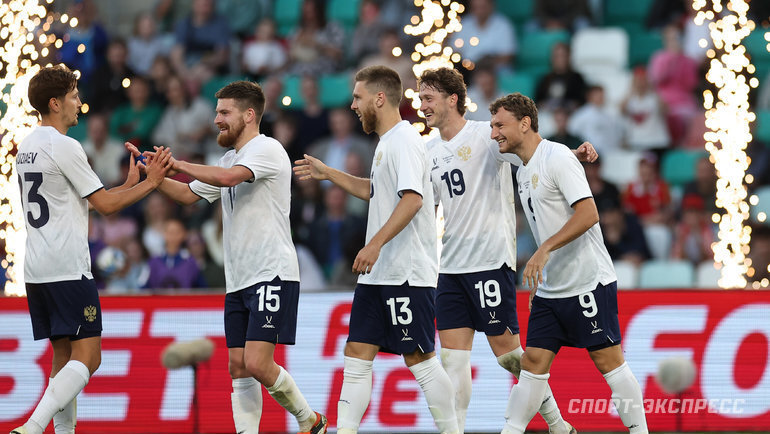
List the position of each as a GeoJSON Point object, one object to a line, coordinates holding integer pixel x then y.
{"type": "Point", "coordinates": [654, 185]}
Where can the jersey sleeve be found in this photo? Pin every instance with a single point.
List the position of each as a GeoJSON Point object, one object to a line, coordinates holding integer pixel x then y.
{"type": "Point", "coordinates": [207, 191]}
{"type": "Point", "coordinates": [568, 174]}
{"type": "Point", "coordinates": [73, 163]}
{"type": "Point", "coordinates": [264, 161]}
{"type": "Point", "coordinates": [411, 160]}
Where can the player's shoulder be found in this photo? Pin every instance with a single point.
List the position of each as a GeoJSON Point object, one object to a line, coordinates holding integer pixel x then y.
{"type": "Point", "coordinates": [263, 144]}
{"type": "Point", "coordinates": [555, 150]}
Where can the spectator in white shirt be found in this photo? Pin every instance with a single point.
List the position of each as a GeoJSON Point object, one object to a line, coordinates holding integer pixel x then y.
{"type": "Point", "coordinates": [494, 35]}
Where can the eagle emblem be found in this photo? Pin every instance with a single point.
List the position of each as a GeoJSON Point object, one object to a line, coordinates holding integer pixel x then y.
{"type": "Point", "coordinates": [464, 152]}
{"type": "Point", "coordinates": [90, 313]}
{"type": "Point", "coordinates": [534, 181]}
{"type": "Point", "coordinates": [378, 159]}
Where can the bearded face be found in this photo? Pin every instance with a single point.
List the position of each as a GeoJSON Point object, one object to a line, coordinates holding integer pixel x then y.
{"type": "Point", "coordinates": [230, 132]}
{"type": "Point", "coordinates": [368, 118]}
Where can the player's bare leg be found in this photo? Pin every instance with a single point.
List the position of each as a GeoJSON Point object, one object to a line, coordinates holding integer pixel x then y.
{"type": "Point", "coordinates": [356, 386]}
{"type": "Point", "coordinates": [507, 349]}
{"type": "Point", "coordinates": [527, 395]}
{"type": "Point", "coordinates": [626, 393]}
{"type": "Point", "coordinates": [85, 357]}
{"type": "Point", "coordinates": [246, 398]}
{"type": "Point", "coordinates": [437, 388]}
{"type": "Point", "coordinates": [260, 363]}
{"type": "Point", "coordinates": [456, 347]}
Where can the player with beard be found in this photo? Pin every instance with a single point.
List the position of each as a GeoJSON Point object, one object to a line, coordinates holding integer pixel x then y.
{"type": "Point", "coordinates": [253, 180]}
{"type": "Point", "coordinates": [393, 304]}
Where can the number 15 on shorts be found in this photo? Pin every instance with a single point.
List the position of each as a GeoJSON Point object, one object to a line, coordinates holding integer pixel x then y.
{"type": "Point", "coordinates": [269, 298]}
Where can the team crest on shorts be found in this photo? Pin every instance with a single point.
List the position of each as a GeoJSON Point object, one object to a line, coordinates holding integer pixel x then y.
{"type": "Point", "coordinates": [378, 159]}
{"type": "Point", "coordinates": [90, 313]}
{"type": "Point", "coordinates": [534, 181]}
{"type": "Point", "coordinates": [464, 152]}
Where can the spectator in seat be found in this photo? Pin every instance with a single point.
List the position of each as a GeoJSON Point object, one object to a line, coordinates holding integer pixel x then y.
{"type": "Point", "coordinates": [175, 268]}
{"type": "Point", "coordinates": [623, 234]}
{"type": "Point", "coordinates": [644, 115]}
{"type": "Point", "coordinates": [186, 125]}
{"type": "Point", "coordinates": [596, 123]}
{"type": "Point", "coordinates": [562, 86]}
{"type": "Point", "coordinates": [648, 196]}
{"type": "Point", "coordinates": [202, 43]}
{"type": "Point", "coordinates": [334, 149]}
{"type": "Point", "coordinates": [315, 48]}
{"type": "Point", "coordinates": [562, 134]}
{"type": "Point", "coordinates": [146, 44]}
{"type": "Point", "coordinates": [704, 185]}
{"type": "Point", "coordinates": [136, 120]}
{"type": "Point", "coordinates": [694, 234]}
{"type": "Point", "coordinates": [107, 89]}
{"type": "Point", "coordinates": [106, 154]}
{"type": "Point", "coordinates": [483, 91]}
{"type": "Point", "coordinates": [496, 36]}
{"type": "Point", "coordinates": [264, 55]}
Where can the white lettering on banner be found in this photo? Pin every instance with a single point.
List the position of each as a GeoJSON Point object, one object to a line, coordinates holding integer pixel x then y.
{"type": "Point", "coordinates": [183, 325]}
{"type": "Point", "coordinates": [115, 363]}
{"type": "Point", "coordinates": [718, 366]}
{"type": "Point", "coordinates": [29, 380]}
{"type": "Point", "coordinates": [647, 324]}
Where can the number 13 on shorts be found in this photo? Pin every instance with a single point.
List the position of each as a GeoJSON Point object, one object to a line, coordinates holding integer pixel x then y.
{"type": "Point", "coordinates": [399, 310]}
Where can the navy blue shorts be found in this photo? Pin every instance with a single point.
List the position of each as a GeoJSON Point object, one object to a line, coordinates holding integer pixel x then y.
{"type": "Point", "coordinates": [588, 320]}
{"type": "Point", "coordinates": [484, 301]}
{"type": "Point", "coordinates": [266, 311]}
{"type": "Point", "coordinates": [68, 308]}
{"type": "Point", "coordinates": [398, 319]}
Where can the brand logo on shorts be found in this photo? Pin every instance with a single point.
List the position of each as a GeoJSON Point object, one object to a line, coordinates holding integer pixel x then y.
{"type": "Point", "coordinates": [595, 325]}
{"type": "Point", "coordinates": [492, 319]}
{"type": "Point", "coordinates": [406, 335]}
{"type": "Point", "coordinates": [268, 323]}
{"type": "Point", "coordinates": [90, 313]}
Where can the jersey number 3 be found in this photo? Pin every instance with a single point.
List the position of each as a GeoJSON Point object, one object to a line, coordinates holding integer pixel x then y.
{"type": "Point", "coordinates": [33, 196]}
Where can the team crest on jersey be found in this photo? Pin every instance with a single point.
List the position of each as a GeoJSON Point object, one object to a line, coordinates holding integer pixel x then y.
{"type": "Point", "coordinates": [534, 181]}
{"type": "Point", "coordinates": [464, 152]}
{"type": "Point", "coordinates": [90, 313]}
{"type": "Point", "coordinates": [378, 159]}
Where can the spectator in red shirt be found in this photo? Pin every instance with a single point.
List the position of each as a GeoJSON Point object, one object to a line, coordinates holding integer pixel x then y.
{"type": "Point", "coordinates": [648, 197]}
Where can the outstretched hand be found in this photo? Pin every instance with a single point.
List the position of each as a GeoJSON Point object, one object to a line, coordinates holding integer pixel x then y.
{"type": "Point", "coordinates": [142, 158]}
{"type": "Point", "coordinates": [586, 153]}
{"type": "Point", "coordinates": [132, 178]}
{"type": "Point", "coordinates": [310, 167]}
{"type": "Point", "coordinates": [158, 165]}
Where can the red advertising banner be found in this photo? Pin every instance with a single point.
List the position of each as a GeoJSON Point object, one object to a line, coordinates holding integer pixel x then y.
{"type": "Point", "coordinates": [725, 333]}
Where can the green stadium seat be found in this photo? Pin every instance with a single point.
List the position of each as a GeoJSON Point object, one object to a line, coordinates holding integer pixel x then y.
{"type": "Point", "coordinates": [762, 131]}
{"type": "Point", "coordinates": [517, 82]}
{"type": "Point", "coordinates": [287, 14]}
{"type": "Point", "coordinates": [335, 90]}
{"type": "Point", "coordinates": [678, 166]}
{"type": "Point", "coordinates": [625, 12]}
{"type": "Point", "coordinates": [661, 274]}
{"type": "Point", "coordinates": [757, 46]}
{"type": "Point", "coordinates": [538, 48]}
{"type": "Point", "coordinates": [291, 88]}
{"type": "Point", "coordinates": [345, 12]}
{"type": "Point", "coordinates": [642, 44]}
{"type": "Point", "coordinates": [519, 11]}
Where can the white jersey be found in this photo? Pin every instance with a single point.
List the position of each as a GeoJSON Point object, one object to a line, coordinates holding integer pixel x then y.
{"type": "Point", "coordinates": [255, 215]}
{"type": "Point", "coordinates": [549, 184]}
{"type": "Point", "coordinates": [401, 163]}
{"type": "Point", "coordinates": [474, 184]}
{"type": "Point", "coordinates": [55, 180]}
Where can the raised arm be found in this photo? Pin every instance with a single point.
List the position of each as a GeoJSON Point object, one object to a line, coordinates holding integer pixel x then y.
{"type": "Point", "coordinates": [311, 167]}
{"type": "Point", "coordinates": [407, 207]}
{"type": "Point", "coordinates": [111, 201]}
